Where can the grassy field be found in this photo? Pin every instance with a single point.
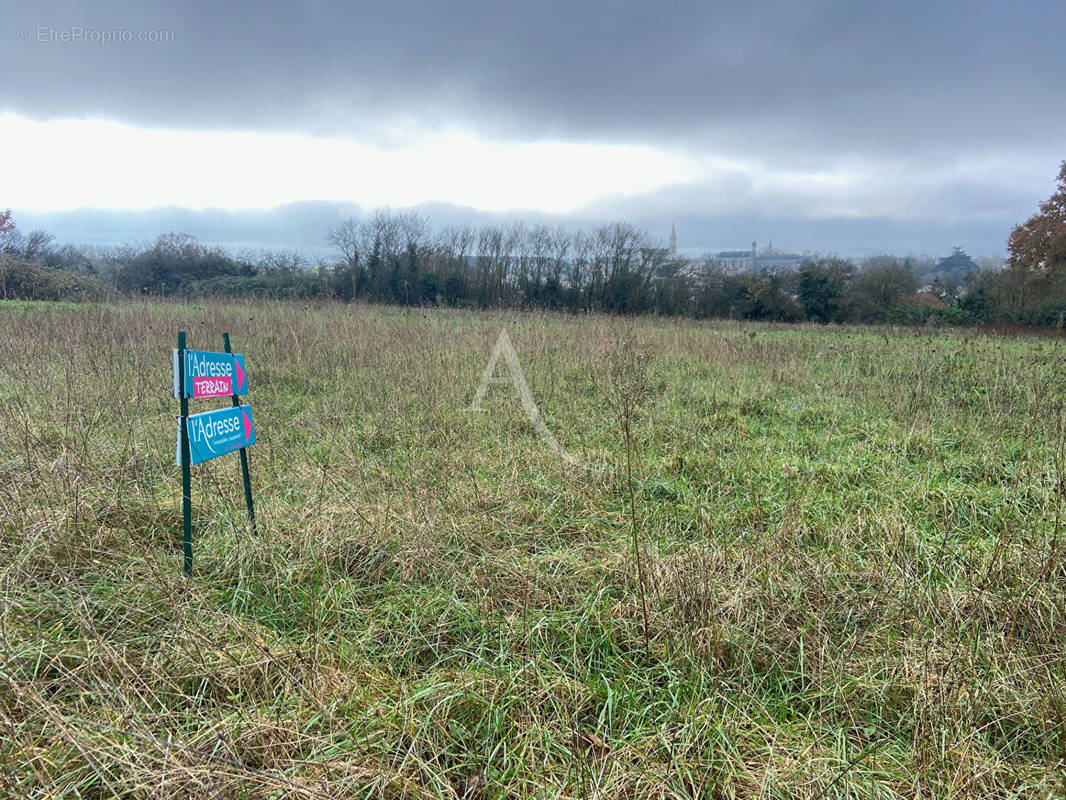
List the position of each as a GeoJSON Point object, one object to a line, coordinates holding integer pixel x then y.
{"type": "Point", "coordinates": [854, 574]}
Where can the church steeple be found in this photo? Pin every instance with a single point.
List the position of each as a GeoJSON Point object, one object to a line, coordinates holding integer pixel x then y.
{"type": "Point", "coordinates": [673, 239]}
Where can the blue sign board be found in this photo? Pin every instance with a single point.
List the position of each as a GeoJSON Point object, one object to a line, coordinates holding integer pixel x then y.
{"type": "Point", "coordinates": [215, 433]}
{"type": "Point", "coordinates": [211, 374]}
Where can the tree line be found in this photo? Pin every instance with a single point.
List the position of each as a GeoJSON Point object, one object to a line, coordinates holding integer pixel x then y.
{"type": "Point", "coordinates": [398, 258]}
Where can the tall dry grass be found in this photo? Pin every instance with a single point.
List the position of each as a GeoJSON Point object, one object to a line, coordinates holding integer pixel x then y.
{"type": "Point", "coordinates": [853, 569]}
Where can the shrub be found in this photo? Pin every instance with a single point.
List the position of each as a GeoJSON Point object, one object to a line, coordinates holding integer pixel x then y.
{"type": "Point", "coordinates": [22, 280]}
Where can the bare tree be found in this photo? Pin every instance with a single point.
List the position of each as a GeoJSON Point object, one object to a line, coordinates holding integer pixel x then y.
{"type": "Point", "coordinates": [37, 245]}
{"type": "Point", "coordinates": [345, 237]}
{"type": "Point", "coordinates": [279, 260]}
{"type": "Point", "coordinates": [7, 232]}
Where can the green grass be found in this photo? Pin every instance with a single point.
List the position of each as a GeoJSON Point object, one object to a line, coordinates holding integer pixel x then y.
{"type": "Point", "coordinates": [855, 578]}
{"type": "Point", "coordinates": [20, 307]}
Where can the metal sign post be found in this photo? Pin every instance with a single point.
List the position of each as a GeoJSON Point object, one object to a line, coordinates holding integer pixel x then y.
{"type": "Point", "coordinates": [244, 450]}
{"type": "Point", "coordinates": [186, 466]}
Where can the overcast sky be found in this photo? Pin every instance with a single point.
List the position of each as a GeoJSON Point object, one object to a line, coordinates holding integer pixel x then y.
{"type": "Point", "coordinates": [843, 126]}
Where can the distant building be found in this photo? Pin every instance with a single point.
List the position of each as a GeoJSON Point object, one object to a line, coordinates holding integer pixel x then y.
{"type": "Point", "coordinates": [767, 258]}
{"type": "Point", "coordinates": [779, 260]}
{"type": "Point", "coordinates": [736, 260]}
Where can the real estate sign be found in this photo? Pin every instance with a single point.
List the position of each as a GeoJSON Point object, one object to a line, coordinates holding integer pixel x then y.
{"type": "Point", "coordinates": [202, 437]}
{"type": "Point", "coordinates": [215, 433]}
{"type": "Point", "coordinates": [211, 374]}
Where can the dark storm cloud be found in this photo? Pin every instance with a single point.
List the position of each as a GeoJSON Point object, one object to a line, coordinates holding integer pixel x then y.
{"type": "Point", "coordinates": [956, 111]}
{"type": "Point", "coordinates": [795, 82]}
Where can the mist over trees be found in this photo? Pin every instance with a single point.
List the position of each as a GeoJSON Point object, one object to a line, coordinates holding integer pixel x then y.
{"type": "Point", "coordinates": [398, 258]}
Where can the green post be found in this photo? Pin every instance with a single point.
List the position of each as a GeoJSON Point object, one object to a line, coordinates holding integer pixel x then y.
{"type": "Point", "coordinates": [186, 458]}
{"type": "Point", "coordinates": [244, 456]}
